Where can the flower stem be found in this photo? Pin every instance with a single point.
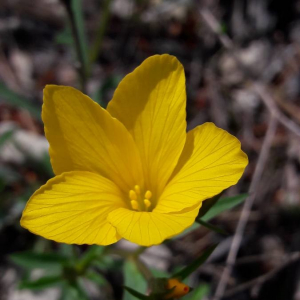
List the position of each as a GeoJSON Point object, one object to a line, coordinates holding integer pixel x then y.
{"type": "Point", "coordinates": [82, 69]}
{"type": "Point", "coordinates": [143, 269]}
{"type": "Point", "coordinates": [96, 49]}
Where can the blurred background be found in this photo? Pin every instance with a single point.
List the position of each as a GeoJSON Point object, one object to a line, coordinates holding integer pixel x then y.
{"type": "Point", "coordinates": [242, 64]}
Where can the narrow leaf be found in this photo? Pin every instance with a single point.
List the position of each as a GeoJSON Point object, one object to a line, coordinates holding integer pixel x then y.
{"type": "Point", "coordinates": [19, 101]}
{"type": "Point", "coordinates": [41, 283]}
{"type": "Point", "coordinates": [136, 294]}
{"type": "Point", "coordinates": [96, 278]}
{"type": "Point", "coordinates": [189, 269]}
{"type": "Point", "coordinates": [76, 6]}
{"type": "Point", "coordinates": [91, 254]}
{"type": "Point", "coordinates": [133, 279]}
{"type": "Point", "coordinates": [223, 205]}
{"type": "Point", "coordinates": [208, 204]}
{"type": "Point", "coordinates": [31, 260]}
{"type": "Point", "coordinates": [211, 227]}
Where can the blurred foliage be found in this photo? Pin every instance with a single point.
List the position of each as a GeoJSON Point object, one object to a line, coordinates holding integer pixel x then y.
{"type": "Point", "coordinates": [19, 101]}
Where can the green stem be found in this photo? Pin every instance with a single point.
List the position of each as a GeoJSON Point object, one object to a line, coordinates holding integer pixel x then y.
{"type": "Point", "coordinates": [140, 250]}
{"type": "Point", "coordinates": [119, 252]}
{"type": "Point", "coordinates": [96, 49]}
{"type": "Point", "coordinates": [143, 269]}
{"type": "Point", "coordinates": [125, 253]}
{"type": "Point", "coordinates": [134, 256]}
{"type": "Point", "coordinates": [78, 47]}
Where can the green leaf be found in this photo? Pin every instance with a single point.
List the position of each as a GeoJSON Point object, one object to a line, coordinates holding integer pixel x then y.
{"type": "Point", "coordinates": [223, 205]}
{"type": "Point", "coordinates": [158, 286]}
{"type": "Point", "coordinates": [46, 165]}
{"type": "Point", "coordinates": [189, 269]}
{"type": "Point", "coordinates": [199, 292]}
{"type": "Point", "coordinates": [76, 6]}
{"type": "Point", "coordinates": [96, 278]}
{"type": "Point", "coordinates": [211, 227]}
{"type": "Point", "coordinates": [133, 279]}
{"type": "Point", "coordinates": [87, 258]}
{"type": "Point", "coordinates": [31, 260]}
{"type": "Point", "coordinates": [136, 294]}
{"type": "Point", "coordinates": [107, 263]}
{"type": "Point", "coordinates": [41, 283]}
{"type": "Point", "coordinates": [91, 254]}
{"type": "Point", "coordinates": [19, 101]}
{"type": "Point", "coordinates": [208, 204]}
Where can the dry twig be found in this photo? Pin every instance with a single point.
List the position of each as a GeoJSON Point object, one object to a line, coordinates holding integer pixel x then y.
{"type": "Point", "coordinates": [259, 281]}
{"type": "Point", "coordinates": [237, 239]}
{"type": "Point", "coordinates": [259, 88]}
{"type": "Point", "coordinates": [275, 114]}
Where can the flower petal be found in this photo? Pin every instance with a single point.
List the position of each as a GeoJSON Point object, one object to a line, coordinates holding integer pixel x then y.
{"type": "Point", "coordinates": [150, 102]}
{"type": "Point", "coordinates": [83, 136]}
{"type": "Point", "coordinates": [72, 208]}
{"type": "Point", "coordinates": [150, 228]}
{"type": "Point", "coordinates": [212, 160]}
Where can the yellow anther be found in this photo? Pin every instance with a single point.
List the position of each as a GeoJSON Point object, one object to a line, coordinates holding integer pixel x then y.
{"type": "Point", "coordinates": [137, 189]}
{"type": "Point", "coordinates": [134, 204]}
{"type": "Point", "coordinates": [147, 203]}
{"type": "Point", "coordinates": [132, 195]}
{"type": "Point", "coordinates": [148, 195]}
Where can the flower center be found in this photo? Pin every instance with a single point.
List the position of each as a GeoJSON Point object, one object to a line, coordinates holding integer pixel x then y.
{"type": "Point", "coordinates": [138, 201]}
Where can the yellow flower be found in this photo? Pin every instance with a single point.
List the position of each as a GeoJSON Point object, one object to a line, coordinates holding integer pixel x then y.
{"type": "Point", "coordinates": [130, 171]}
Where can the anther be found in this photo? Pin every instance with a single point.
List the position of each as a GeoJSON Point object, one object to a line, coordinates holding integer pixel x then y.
{"type": "Point", "coordinates": [148, 195]}
{"type": "Point", "coordinates": [147, 203]}
{"type": "Point", "coordinates": [137, 189]}
{"type": "Point", "coordinates": [132, 195]}
{"type": "Point", "coordinates": [134, 204]}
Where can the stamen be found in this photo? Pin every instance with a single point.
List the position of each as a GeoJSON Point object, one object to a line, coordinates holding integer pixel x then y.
{"type": "Point", "coordinates": [137, 189]}
{"type": "Point", "coordinates": [147, 203]}
{"type": "Point", "coordinates": [132, 195]}
{"type": "Point", "coordinates": [137, 201]}
{"type": "Point", "coordinates": [148, 195]}
{"type": "Point", "coordinates": [134, 204]}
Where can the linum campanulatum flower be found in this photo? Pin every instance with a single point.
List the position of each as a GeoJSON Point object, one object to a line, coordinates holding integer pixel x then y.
{"type": "Point", "coordinates": [130, 171]}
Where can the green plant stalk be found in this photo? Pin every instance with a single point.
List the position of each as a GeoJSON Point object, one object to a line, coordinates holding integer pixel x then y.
{"type": "Point", "coordinates": [146, 273]}
{"type": "Point", "coordinates": [96, 49]}
{"type": "Point", "coordinates": [139, 250]}
{"type": "Point", "coordinates": [82, 70]}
